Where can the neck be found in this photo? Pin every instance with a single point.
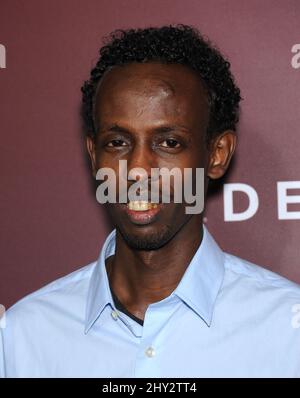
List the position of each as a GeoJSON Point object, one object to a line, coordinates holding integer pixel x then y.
{"type": "Point", "coordinates": [150, 276]}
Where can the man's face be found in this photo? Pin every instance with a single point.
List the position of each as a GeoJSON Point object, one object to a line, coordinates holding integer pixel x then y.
{"type": "Point", "coordinates": [152, 115]}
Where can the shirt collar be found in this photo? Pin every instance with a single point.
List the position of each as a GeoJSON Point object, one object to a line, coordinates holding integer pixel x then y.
{"type": "Point", "coordinates": [198, 287]}
{"type": "Point", "coordinates": [99, 294]}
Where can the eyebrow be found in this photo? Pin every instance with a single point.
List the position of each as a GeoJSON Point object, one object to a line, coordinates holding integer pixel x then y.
{"type": "Point", "coordinates": [159, 130]}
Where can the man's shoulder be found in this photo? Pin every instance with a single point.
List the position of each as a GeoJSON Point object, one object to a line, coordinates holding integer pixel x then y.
{"type": "Point", "coordinates": [260, 277]}
{"type": "Point", "coordinates": [63, 289]}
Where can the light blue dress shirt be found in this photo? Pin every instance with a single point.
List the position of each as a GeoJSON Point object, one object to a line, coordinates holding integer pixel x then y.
{"type": "Point", "coordinates": [226, 318]}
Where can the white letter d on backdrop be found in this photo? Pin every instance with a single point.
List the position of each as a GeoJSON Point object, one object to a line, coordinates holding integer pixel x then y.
{"type": "Point", "coordinates": [229, 214]}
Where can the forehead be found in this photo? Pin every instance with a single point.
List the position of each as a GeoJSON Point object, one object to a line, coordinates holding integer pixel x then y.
{"type": "Point", "coordinates": [151, 91]}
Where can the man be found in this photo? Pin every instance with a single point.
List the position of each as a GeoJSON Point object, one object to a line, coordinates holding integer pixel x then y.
{"type": "Point", "coordinates": [163, 300]}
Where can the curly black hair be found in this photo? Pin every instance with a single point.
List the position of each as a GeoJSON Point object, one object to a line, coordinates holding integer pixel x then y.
{"type": "Point", "coordinates": [179, 44]}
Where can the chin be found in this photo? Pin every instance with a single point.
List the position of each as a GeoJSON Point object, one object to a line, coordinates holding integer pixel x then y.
{"type": "Point", "coordinates": [147, 238]}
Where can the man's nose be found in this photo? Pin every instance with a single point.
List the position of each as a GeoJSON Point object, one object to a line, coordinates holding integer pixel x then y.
{"type": "Point", "coordinates": [141, 157]}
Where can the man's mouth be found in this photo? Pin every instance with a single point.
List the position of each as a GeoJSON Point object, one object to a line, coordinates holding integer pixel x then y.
{"type": "Point", "coordinates": [141, 205]}
{"type": "Point", "coordinates": [142, 212]}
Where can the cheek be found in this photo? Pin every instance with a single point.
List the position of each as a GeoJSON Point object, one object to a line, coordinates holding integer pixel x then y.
{"type": "Point", "coordinates": [187, 159]}
{"type": "Point", "coordinates": [105, 159]}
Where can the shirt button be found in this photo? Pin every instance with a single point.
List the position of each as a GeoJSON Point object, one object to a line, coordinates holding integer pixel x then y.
{"type": "Point", "coordinates": [114, 315]}
{"type": "Point", "coordinates": [150, 352]}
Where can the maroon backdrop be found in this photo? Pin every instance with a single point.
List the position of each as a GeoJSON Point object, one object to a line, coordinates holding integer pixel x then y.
{"type": "Point", "coordinates": [50, 221]}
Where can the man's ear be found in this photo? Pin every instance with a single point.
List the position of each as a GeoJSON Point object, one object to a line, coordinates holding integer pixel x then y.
{"type": "Point", "coordinates": [221, 150]}
{"type": "Point", "coordinates": [91, 148]}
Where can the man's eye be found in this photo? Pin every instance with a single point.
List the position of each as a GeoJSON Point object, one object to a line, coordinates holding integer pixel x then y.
{"type": "Point", "coordinates": [170, 143]}
{"type": "Point", "coordinates": [116, 143]}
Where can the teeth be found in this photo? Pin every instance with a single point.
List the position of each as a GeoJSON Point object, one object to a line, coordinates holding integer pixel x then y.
{"type": "Point", "coordinates": [141, 205]}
